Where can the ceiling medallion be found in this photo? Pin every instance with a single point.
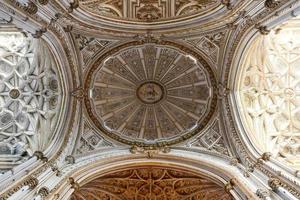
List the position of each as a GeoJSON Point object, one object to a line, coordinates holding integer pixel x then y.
{"type": "Point", "coordinates": [150, 94]}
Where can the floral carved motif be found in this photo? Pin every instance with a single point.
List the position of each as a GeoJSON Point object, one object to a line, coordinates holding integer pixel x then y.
{"type": "Point", "coordinates": [29, 96]}
{"type": "Point", "coordinates": [151, 183]}
{"type": "Point", "coordinates": [270, 92]}
{"type": "Point", "coordinates": [147, 10]}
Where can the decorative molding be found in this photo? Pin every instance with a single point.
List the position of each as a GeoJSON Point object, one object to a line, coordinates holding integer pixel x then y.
{"type": "Point", "coordinates": [43, 192]}
{"type": "Point", "coordinates": [73, 5]}
{"type": "Point", "coordinates": [39, 33]}
{"type": "Point", "coordinates": [262, 29]}
{"type": "Point", "coordinates": [271, 4]}
{"type": "Point", "coordinates": [40, 156]}
{"type": "Point", "coordinates": [70, 159]}
{"type": "Point", "coordinates": [43, 2]}
{"type": "Point", "coordinates": [209, 44]}
{"type": "Point", "coordinates": [32, 182]}
{"type": "Point", "coordinates": [274, 183]}
{"type": "Point", "coordinates": [263, 193]}
{"type": "Point", "coordinates": [230, 185]}
{"type": "Point", "coordinates": [74, 184]}
{"type": "Point", "coordinates": [30, 8]}
{"type": "Point", "coordinates": [149, 151]}
{"type": "Point", "coordinates": [149, 11]}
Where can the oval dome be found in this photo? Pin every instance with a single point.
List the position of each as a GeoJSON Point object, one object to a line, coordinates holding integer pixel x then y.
{"type": "Point", "coordinates": [151, 93]}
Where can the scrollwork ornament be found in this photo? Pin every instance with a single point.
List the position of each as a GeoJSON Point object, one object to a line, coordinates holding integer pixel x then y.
{"type": "Point", "coordinates": [262, 29]}
{"type": "Point", "coordinates": [39, 33]}
{"type": "Point", "coordinates": [70, 159]}
{"type": "Point", "coordinates": [43, 192]}
{"type": "Point", "coordinates": [73, 5]}
{"type": "Point", "coordinates": [227, 3]}
{"type": "Point", "coordinates": [43, 2]}
{"type": "Point", "coordinates": [271, 4]}
{"type": "Point", "coordinates": [78, 93]}
{"type": "Point", "coordinates": [274, 183]}
{"type": "Point", "coordinates": [230, 184]}
{"type": "Point", "coordinates": [74, 184]}
{"type": "Point", "coordinates": [234, 161]}
{"type": "Point", "coordinates": [40, 156]}
{"type": "Point", "coordinates": [32, 182]}
{"type": "Point", "coordinates": [31, 8]}
{"type": "Point", "coordinates": [262, 193]}
{"type": "Point", "coordinates": [149, 151]}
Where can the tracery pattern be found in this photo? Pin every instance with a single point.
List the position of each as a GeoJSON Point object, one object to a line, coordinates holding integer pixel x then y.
{"type": "Point", "coordinates": [150, 93]}
{"type": "Point", "coordinates": [29, 96]}
{"type": "Point", "coordinates": [270, 92]}
{"type": "Point", "coordinates": [151, 183]}
{"type": "Point", "coordinates": [147, 10]}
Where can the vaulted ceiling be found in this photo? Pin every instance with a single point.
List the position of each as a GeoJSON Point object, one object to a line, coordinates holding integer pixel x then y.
{"type": "Point", "coordinates": [149, 99]}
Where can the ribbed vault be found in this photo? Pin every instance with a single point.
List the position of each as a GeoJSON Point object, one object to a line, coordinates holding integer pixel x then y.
{"type": "Point", "coordinates": [151, 183]}
{"type": "Point", "coordinates": [269, 92]}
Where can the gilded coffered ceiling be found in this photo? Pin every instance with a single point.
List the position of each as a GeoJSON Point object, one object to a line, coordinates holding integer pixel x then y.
{"type": "Point", "coordinates": [147, 10]}
{"type": "Point", "coordinates": [151, 183]}
{"type": "Point", "coordinates": [151, 93]}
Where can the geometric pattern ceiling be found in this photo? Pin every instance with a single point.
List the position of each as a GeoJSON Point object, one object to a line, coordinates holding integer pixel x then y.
{"type": "Point", "coordinates": [149, 10]}
{"type": "Point", "coordinates": [151, 183]}
{"type": "Point", "coordinates": [151, 93]}
{"type": "Point", "coordinates": [270, 92]}
{"type": "Point", "coordinates": [149, 82]}
{"type": "Point", "coordinates": [29, 96]}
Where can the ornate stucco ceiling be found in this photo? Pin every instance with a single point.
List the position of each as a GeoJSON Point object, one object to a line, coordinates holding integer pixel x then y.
{"type": "Point", "coordinates": [151, 183]}
{"type": "Point", "coordinates": [149, 83]}
{"type": "Point", "coordinates": [131, 17]}
{"type": "Point", "coordinates": [151, 93]}
{"type": "Point", "coordinates": [147, 10]}
{"type": "Point", "coordinates": [30, 96]}
{"type": "Point", "coordinates": [269, 92]}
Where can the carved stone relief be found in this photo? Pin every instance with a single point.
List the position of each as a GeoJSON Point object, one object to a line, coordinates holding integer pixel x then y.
{"type": "Point", "coordinates": [151, 183]}
{"type": "Point", "coordinates": [212, 139]}
{"type": "Point", "coordinates": [269, 93]}
{"type": "Point", "coordinates": [89, 47]}
{"type": "Point", "coordinates": [147, 10]}
{"type": "Point", "coordinates": [30, 96]}
{"type": "Point", "coordinates": [209, 44]}
{"type": "Point", "coordinates": [90, 140]}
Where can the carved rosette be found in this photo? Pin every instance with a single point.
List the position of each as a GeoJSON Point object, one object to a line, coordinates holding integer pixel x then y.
{"type": "Point", "coordinates": [149, 94]}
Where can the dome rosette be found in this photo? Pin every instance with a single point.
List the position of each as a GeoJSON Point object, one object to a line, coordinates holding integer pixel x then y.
{"type": "Point", "coordinates": [151, 93]}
